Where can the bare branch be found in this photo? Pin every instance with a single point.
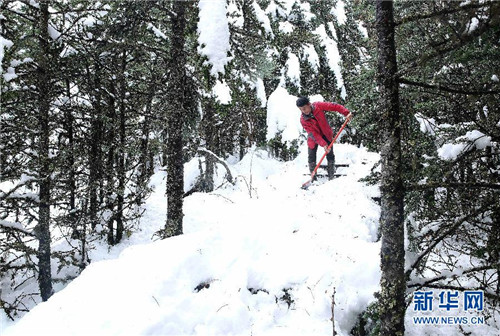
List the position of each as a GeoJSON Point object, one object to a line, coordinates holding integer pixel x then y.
{"type": "Point", "coordinates": [459, 221]}
{"type": "Point", "coordinates": [420, 283]}
{"type": "Point", "coordinates": [334, 332]}
{"type": "Point", "coordinates": [440, 87]}
{"type": "Point", "coordinates": [442, 12]}
{"type": "Point", "coordinates": [434, 185]}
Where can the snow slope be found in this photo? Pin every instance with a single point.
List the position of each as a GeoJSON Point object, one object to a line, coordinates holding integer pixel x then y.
{"type": "Point", "coordinates": [261, 257]}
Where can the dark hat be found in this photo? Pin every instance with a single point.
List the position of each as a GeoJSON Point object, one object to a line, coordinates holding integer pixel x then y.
{"type": "Point", "coordinates": [302, 101]}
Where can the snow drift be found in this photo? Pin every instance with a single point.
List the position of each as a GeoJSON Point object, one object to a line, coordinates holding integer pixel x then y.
{"type": "Point", "coordinates": [261, 257]}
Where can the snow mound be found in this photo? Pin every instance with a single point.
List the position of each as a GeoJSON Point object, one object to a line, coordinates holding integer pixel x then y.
{"type": "Point", "coordinates": [259, 257]}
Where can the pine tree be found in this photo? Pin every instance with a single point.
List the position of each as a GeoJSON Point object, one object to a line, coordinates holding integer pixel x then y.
{"type": "Point", "coordinates": [446, 96]}
{"type": "Point", "coordinates": [446, 67]}
{"type": "Point", "coordinates": [86, 143]}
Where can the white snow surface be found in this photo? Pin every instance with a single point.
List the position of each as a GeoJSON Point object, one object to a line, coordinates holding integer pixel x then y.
{"type": "Point", "coordinates": [292, 70]}
{"type": "Point", "coordinates": [222, 92]}
{"type": "Point", "coordinates": [283, 115]}
{"type": "Point", "coordinates": [249, 242]}
{"type": "Point", "coordinates": [339, 12]}
{"type": "Point", "coordinates": [213, 30]}
{"type": "Point", "coordinates": [263, 19]}
{"type": "Point", "coordinates": [450, 151]}
{"type": "Point", "coordinates": [246, 248]}
{"type": "Point", "coordinates": [312, 56]}
{"type": "Point", "coordinates": [333, 55]}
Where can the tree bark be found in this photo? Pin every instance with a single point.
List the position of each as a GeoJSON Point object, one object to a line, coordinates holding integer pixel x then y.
{"type": "Point", "coordinates": [95, 155]}
{"type": "Point", "coordinates": [43, 230]}
{"type": "Point", "coordinates": [109, 171]}
{"type": "Point", "coordinates": [121, 152]}
{"type": "Point", "coordinates": [393, 284]}
{"type": "Point", "coordinates": [175, 116]}
{"type": "Point", "coordinates": [70, 148]}
{"type": "Point", "coordinates": [208, 131]}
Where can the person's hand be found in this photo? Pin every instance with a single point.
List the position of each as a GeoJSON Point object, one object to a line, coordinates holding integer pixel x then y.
{"type": "Point", "coordinates": [349, 116]}
{"type": "Point", "coordinates": [326, 148]}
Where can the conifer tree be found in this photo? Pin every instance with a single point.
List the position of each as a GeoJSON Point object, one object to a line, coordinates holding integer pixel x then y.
{"type": "Point", "coordinates": [446, 94]}
{"type": "Point", "coordinates": [449, 94]}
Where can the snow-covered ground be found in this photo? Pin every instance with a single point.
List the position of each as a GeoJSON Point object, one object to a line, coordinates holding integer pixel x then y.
{"type": "Point", "coordinates": [260, 257]}
{"type": "Point", "coordinates": [266, 254]}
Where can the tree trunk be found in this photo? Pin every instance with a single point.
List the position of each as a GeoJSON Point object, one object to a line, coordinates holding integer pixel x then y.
{"type": "Point", "coordinates": [43, 234]}
{"type": "Point", "coordinates": [121, 153]}
{"type": "Point", "coordinates": [208, 131]}
{"type": "Point", "coordinates": [109, 173]}
{"type": "Point", "coordinates": [493, 247]}
{"type": "Point", "coordinates": [175, 117]}
{"type": "Point", "coordinates": [70, 155]}
{"type": "Point", "coordinates": [146, 165]}
{"type": "Point", "coordinates": [95, 156]}
{"type": "Point", "coordinates": [393, 283]}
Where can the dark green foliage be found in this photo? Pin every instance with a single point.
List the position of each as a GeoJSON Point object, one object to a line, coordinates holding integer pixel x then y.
{"type": "Point", "coordinates": [447, 70]}
{"type": "Point", "coordinates": [96, 89]}
{"type": "Point", "coordinates": [446, 53]}
{"type": "Point", "coordinates": [368, 323]}
{"type": "Point", "coordinates": [283, 150]}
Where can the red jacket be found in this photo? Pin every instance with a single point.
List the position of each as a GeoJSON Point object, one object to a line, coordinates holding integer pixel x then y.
{"type": "Point", "coordinates": [316, 124]}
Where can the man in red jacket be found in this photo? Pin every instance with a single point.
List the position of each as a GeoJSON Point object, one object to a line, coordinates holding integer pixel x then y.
{"type": "Point", "coordinates": [318, 130]}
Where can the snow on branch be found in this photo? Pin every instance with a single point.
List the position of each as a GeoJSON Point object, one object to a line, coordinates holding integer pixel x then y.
{"type": "Point", "coordinates": [450, 151]}
{"type": "Point", "coordinates": [450, 229]}
{"type": "Point", "coordinates": [445, 11]}
{"type": "Point", "coordinates": [25, 180]}
{"type": "Point", "coordinates": [444, 88]}
{"type": "Point", "coordinates": [213, 30]}
{"type": "Point", "coordinates": [16, 226]}
{"type": "Point", "coordinates": [420, 283]}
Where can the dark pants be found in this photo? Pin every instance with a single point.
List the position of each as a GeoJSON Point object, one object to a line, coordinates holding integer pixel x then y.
{"type": "Point", "coordinates": [311, 155]}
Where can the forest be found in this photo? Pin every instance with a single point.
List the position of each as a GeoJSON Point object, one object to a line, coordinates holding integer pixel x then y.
{"type": "Point", "coordinates": [97, 95]}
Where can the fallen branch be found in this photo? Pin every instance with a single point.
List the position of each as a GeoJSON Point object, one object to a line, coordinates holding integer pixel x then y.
{"type": "Point", "coordinates": [199, 185]}
{"type": "Point", "coordinates": [333, 312]}
{"type": "Point", "coordinates": [229, 176]}
{"type": "Point", "coordinates": [420, 283]}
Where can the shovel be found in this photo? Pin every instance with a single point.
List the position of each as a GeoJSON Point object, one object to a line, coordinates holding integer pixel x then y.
{"type": "Point", "coordinates": [309, 182]}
